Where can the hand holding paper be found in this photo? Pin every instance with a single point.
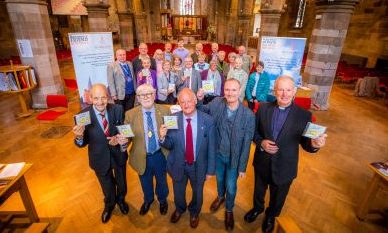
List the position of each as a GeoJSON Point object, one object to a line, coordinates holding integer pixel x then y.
{"type": "Point", "coordinates": [162, 132]}
{"type": "Point", "coordinates": [82, 119]}
{"type": "Point", "coordinates": [78, 131]}
{"type": "Point", "coordinates": [320, 141]}
{"type": "Point", "coordinates": [171, 122]}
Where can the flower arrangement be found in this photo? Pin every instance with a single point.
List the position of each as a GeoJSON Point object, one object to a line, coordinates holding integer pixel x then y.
{"type": "Point", "coordinates": [211, 29]}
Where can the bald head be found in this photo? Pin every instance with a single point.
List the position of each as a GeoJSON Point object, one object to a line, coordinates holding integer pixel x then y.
{"type": "Point", "coordinates": [121, 55]}
{"type": "Point", "coordinates": [99, 96]}
{"type": "Point", "coordinates": [285, 90]}
{"type": "Point", "coordinates": [187, 100]}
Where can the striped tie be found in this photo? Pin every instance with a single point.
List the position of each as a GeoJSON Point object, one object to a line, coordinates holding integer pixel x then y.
{"type": "Point", "coordinates": [105, 125]}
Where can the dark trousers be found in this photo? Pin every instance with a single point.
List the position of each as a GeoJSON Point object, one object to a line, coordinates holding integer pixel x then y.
{"type": "Point", "coordinates": [196, 202]}
{"type": "Point", "coordinates": [113, 184]}
{"type": "Point", "coordinates": [277, 193]}
{"type": "Point", "coordinates": [251, 105]}
{"type": "Point", "coordinates": [155, 167]}
{"type": "Point", "coordinates": [128, 102]}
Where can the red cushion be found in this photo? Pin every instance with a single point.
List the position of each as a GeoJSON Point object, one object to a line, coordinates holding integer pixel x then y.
{"type": "Point", "coordinates": [303, 102]}
{"type": "Point", "coordinates": [49, 115]}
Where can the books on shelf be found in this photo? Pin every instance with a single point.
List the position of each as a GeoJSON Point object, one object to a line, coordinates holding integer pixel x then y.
{"type": "Point", "coordinates": [24, 79]}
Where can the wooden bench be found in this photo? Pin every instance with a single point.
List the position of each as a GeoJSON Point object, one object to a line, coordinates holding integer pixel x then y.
{"type": "Point", "coordinates": [37, 227]}
{"type": "Point", "coordinates": [286, 225]}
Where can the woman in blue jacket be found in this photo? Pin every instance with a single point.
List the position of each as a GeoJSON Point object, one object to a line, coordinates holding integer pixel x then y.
{"type": "Point", "coordinates": [258, 86]}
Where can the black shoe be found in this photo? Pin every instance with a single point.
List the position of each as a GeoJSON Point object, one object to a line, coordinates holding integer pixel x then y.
{"type": "Point", "coordinates": [145, 208]}
{"type": "Point", "coordinates": [106, 214]}
{"type": "Point", "coordinates": [163, 208]}
{"type": "Point", "coordinates": [229, 220]}
{"type": "Point", "coordinates": [268, 225]}
{"type": "Point", "coordinates": [175, 217]}
{"type": "Point", "coordinates": [252, 215]}
{"type": "Point", "coordinates": [123, 206]}
{"type": "Point", "coordinates": [216, 204]}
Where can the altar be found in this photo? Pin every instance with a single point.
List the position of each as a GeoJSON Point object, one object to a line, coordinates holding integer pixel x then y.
{"type": "Point", "coordinates": [189, 27]}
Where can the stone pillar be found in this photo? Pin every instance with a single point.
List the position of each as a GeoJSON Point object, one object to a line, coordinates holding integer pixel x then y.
{"type": "Point", "coordinates": [244, 15]}
{"type": "Point", "coordinates": [327, 40]}
{"type": "Point", "coordinates": [269, 25]}
{"type": "Point", "coordinates": [30, 21]}
{"type": "Point", "coordinates": [126, 29]}
{"type": "Point", "coordinates": [141, 28]}
{"type": "Point", "coordinates": [97, 16]}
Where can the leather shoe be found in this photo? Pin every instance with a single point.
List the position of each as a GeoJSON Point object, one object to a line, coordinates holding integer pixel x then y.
{"type": "Point", "coordinates": [229, 220]}
{"type": "Point", "coordinates": [106, 214]}
{"type": "Point", "coordinates": [194, 220]}
{"type": "Point", "coordinates": [175, 216]}
{"type": "Point", "coordinates": [123, 206]}
{"type": "Point", "coordinates": [145, 208]}
{"type": "Point", "coordinates": [252, 215]}
{"type": "Point", "coordinates": [163, 208]}
{"type": "Point", "coordinates": [216, 204]}
{"type": "Point", "coordinates": [268, 225]}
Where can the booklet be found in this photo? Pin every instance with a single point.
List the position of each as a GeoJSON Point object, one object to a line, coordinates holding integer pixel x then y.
{"type": "Point", "coordinates": [313, 130]}
{"type": "Point", "coordinates": [11, 170]}
{"type": "Point", "coordinates": [208, 86]}
{"type": "Point", "coordinates": [171, 86]}
{"type": "Point", "coordinates": [126, 130]}
{"type": "Point", "coordinates": [82, 118]}
{"type": "Point", "coordinates": [145, 73]}
{"type": "Point", "coordinates": [171, 122]}
{"type": "Point", "coordinates": [186, 73]}
{"type": "Point", "coordinates": [382, 167]}
{"type": "Point", "coordinates": [175, 108]}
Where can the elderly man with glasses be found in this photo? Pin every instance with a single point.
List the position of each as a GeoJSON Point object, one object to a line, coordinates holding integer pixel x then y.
{"type": "Point", "coordinates": [147, 158]}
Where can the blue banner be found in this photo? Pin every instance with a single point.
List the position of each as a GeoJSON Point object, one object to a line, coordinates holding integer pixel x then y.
{"type": "Point", "coordinates": [282, 56]}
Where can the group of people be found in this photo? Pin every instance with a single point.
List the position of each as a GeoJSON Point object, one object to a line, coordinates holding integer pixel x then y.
{"type": "Point", "coordinates": [213, 136]}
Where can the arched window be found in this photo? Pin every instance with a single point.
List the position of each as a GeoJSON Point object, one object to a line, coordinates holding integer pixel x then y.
{"type": "Point", "coordinates": [300, 14]}
{"type": "Point", "coordinates": [187, 7]}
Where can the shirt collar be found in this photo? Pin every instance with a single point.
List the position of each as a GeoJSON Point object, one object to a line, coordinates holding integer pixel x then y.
{"type": "Point", "coordinates": [98, 112]}
{"type": "Point", "coordinates": [193, 117]}
{"type": "Point", "coordinates": [152, 110]}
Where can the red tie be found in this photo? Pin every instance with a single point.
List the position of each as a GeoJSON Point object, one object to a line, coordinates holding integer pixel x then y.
{"type": "Point", "coordinates": [189, 143]}
{"type": "Point", "coordinates": [105, 124]}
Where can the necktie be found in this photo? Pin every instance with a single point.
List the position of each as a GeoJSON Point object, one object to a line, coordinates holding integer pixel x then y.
{"type": "Point", "coordinates": [151, 134]}
{"type": "Point", "coordinates": [189, 155]}
{"type": "Point", "coordinates": [105, 125]}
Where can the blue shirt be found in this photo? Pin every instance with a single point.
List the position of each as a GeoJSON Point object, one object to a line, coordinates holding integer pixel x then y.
{"type": "Point", "coordinates": [278, 118]}
{"type": "Point", "coordinates": [145, 126]}
{"type": "Point", "coordinates": [99, 118]}
{"type": "Point", "coordinates": [129, 87]}
{"type": "Point", "coordinates": [194, 124]}
{"type": "Point", "coordinates": [181, 52]}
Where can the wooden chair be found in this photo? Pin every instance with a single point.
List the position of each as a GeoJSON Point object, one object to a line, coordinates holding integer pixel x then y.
{"type": "Point", "coordinates": [286, 225]}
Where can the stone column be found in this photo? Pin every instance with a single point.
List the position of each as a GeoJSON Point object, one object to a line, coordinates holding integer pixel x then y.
{"type": "Point", "coordinates": [97, 16]}
{"type": "Point", "coordinates": [269, 25]}
{"type": "Point", "coordinates": [244, 15]}
{"type": "Point", "coordinates": [30, 21]}
{"type": "Point", "coordinates": [141, 28]}
{"type": "Point", "coordinates": [126, 29]}
{"type": "Point", "coordinates": [327, 39]}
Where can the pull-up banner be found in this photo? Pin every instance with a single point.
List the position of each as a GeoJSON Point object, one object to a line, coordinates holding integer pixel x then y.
{"type": "Point", "coordinates": [282, 56]}
{"type": "Point", "coordinates": [91, 53]}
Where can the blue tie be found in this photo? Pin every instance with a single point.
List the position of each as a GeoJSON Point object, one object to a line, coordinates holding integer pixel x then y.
{"type": "Point", "coordinates": [150, 134]}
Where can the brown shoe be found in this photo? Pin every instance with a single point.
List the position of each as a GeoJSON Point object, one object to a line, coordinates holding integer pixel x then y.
{"type": "Point", "coordinates": [216, 204]}
{"type": "Point", "coordinates": [229, 220]}
{"type": "Point", "coordinates": [194, 220]}
{"type": "Point", "coordinates": [175, 216]}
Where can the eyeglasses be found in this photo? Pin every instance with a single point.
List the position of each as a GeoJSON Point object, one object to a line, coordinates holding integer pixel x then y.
{"type": "Point", "coordinates": [145, 95]}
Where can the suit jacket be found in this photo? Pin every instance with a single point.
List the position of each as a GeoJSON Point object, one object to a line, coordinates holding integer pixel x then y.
{"type": "Point", "coordinates": [205, 148]}
{"type": "Point", "coordinates": [116, 79]}
{"type": "Point", "coordinates": [284, 164]}
{"type": "Point", "coordinates": [137, 66]}
{"type": "Point", "coordinates": [247, 63]}
{"type": "Point", "coordinates": [196, 81]}
{"type": "Point", "coordinates": [137, 148]}
{"type": "Point", "coordinates": [162, 83]}
{"type": "Point", "coordinates": [99, 151]}
{"type": "Point", "coordinates": [241, 133]}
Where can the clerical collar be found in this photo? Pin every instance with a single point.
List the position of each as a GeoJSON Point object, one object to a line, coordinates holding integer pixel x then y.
{"type": "Point", "coordinates": [284, 108]}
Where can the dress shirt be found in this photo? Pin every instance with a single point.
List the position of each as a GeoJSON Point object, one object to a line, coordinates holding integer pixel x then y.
{"type": "Point", "coordinates": [145, 126]}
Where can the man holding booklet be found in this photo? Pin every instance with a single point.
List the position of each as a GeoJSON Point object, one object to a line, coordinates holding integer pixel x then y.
{"type": "Point", "coordinates": [280, 128]}
{"type": "Point", "coordinates": [96, 127]}
{"type": "Point", "coordinates": [146, 157]}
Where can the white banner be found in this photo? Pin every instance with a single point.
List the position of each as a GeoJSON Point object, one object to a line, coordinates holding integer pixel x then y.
{"type": "Point", "coordinates": [91, 52]}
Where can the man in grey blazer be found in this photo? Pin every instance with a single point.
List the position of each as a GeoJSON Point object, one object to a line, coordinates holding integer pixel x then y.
{"type": "Point", "coordinates": [235, 126]}
{"type": "Point", "coordinates": [191, 157]}
{"type": "Point", "coordinates": [122, 81]}
{"type": "Point", "coordinates": [189, 77]}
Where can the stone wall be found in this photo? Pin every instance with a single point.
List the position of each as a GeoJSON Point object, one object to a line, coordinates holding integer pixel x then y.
{"type": "Point", "coordinates": [7, 38]}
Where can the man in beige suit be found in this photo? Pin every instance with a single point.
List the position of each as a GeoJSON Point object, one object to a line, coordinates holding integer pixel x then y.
{"type": "Point", "coordinates": [122, 81]}
{"type": "Point", "coordinates": [146, 157]}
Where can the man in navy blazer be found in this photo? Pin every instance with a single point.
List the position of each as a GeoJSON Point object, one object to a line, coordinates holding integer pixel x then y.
{"type": "Point", "coordinates": [191, 157]}
{"type": "Point", "coordinates": [104, 149]}
{"type": "Point", "coordinates": [278, 134]}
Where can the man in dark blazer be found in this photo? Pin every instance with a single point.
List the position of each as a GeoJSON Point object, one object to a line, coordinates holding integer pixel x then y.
{"type": "Point", "coordinates": [278, 134]}
{"type": "Point", "coordinates": [137, 65]}
{"type": "Point", "coordinates": [105, 149]}
{"type": "Point", "coordinates": [191, 157]}
{"type": "Point", "coordinates": [122, 81]}
{"type": "Point", "coordinates": [188, 77]}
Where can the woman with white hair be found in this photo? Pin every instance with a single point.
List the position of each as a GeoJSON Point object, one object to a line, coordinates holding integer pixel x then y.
{"type": "Point", "coordinates": [238, 73]}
